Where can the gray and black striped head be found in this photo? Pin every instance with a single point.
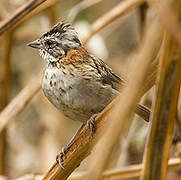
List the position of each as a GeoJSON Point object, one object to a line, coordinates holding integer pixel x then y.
{"type": "Point", "coordinates": [55, 43]}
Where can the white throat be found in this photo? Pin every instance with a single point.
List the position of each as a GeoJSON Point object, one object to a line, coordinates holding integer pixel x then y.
{"type": "Point", "coordinates": [47, 57]}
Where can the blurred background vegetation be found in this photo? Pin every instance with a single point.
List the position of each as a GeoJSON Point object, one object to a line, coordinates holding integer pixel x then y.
{"type": "Point", "coordinates": [30, 143]}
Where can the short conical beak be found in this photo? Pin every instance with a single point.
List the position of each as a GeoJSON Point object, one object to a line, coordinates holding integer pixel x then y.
{"type": "Point", "coordinates": [35, 44]}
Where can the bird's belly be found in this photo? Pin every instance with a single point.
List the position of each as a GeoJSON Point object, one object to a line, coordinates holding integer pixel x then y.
{"type": "Point", "coordinates": [76, 97]}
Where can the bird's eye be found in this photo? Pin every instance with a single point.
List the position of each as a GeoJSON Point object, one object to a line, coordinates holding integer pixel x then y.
{"type": "Point", "coordinates": [49, 42]}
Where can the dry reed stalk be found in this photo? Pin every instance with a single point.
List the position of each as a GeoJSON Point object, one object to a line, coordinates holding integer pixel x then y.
{"type": "Point", "coordinates": [160, 139]}
{"type": "Point", "coordinates": [5, 87]}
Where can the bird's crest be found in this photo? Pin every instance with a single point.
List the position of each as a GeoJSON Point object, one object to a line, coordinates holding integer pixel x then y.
{"type": "Point", "coordinates": [59, 29]}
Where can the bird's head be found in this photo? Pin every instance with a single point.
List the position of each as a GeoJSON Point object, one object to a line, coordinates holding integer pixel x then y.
{"type": "Point", "coordinates": [55, 43]}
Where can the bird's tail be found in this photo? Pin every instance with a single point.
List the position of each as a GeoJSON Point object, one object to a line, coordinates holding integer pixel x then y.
{"type": "Point", "coordinates": [143, 112]}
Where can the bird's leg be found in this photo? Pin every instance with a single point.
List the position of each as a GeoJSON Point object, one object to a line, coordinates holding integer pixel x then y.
{"type": "Point", "coordinates": [91, 126]}
{"type": "Point", "coordinates": [91, 123]}
{"type": "Point", "coordinates": [66, 148]}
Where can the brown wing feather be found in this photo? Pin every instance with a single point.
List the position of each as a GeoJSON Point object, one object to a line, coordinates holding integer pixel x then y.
{"type": "Point", "coordinates": [107, 75]}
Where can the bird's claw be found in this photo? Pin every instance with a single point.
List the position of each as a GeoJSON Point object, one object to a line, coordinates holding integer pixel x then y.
{"type": "Point", "coordinates": [91, 124]}
{"type": "Point", "coordinates": [60, 155]}
{"type": "Point", "coordinates": [60, 160]}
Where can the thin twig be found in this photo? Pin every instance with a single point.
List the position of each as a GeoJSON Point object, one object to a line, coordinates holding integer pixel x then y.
{"type": "Point", "coordinates": [110, 16]}
{"type": "Point", "coordinates": [79, 7]}
{"type": "Point", "coordinates": [19, 102]}
{"type": "Point", "coordinates": [131, 171]}
{"type": "Point", "coordinates": [23, 14]}
{"type": "Point", "coordinates": [12, 20]}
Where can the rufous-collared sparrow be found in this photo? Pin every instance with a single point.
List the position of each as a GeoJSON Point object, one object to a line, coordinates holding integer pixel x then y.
{"type": "Point", "coordinates": [76, 82]}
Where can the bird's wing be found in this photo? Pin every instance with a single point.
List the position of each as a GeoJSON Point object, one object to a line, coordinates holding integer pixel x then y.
{"type": "Point", "coordinates": [107, 75]}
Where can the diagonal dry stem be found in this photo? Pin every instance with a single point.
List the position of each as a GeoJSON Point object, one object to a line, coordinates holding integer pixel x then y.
{"type": "Point", "coordinates": [120, 9]}
{"type": "Point", "coordinates": [12, 20]}
{"type": "Point", "coordinates": [19, 102]}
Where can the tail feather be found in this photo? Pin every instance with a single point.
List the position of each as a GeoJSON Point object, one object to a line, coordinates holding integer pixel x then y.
{"type": "Point", "coordinates": [143, 112]}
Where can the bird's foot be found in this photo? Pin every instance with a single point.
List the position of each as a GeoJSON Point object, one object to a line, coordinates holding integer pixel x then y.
{"type": "Point", "coordinates": [91, 124]}
{"type": "Point", "coordinates": [65, 149]}
{"type": "Point", "coordinates": [59, 157]}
